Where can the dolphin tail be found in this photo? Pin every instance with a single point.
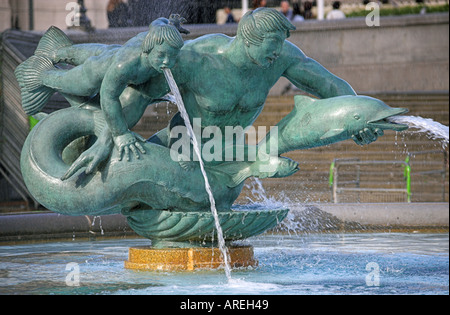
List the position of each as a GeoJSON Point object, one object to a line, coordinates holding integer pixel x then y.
{"type": "Point", "coordinates": [235, 172]}
{"type": "Point", "coordinates": [52, 40]}
{"type": "Point", "coordinates": [29, 75]}
{"type": "Point", "coordinates": [273, 166]}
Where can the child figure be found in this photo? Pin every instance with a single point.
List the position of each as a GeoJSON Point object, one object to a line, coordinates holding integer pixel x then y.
{"type": "Point", "coordinates": [115, 73]}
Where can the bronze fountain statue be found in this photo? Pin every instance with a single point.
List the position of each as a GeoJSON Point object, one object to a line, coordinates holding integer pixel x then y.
{"type": "Point", "coordinates": [84, 160]}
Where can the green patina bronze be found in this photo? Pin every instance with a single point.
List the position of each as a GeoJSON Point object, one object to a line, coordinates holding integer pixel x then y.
{"type": "Point", "coordinates": [84, 160]}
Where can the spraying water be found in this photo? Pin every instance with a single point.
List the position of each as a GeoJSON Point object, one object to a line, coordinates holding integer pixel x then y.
{"type": "Point", "coordinates": [433, 129]}
{"type": "Point", "coordinates": [179, 101]}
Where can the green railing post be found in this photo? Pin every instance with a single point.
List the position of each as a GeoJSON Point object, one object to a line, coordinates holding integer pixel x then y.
{"type": "Point", "coordinates": [408, 182]}
{"type": "Point", "coordinates": [404, 167]}
{"type": "Point", "coordinates": [407, 176]}
{"type": "Point", "coordinates": [331, 177]}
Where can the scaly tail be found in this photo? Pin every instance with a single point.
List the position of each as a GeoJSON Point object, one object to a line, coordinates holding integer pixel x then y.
{"type": "Point", "coordinates": [29, 75]}
{"type": "Point", "coordinates": [52, 40]}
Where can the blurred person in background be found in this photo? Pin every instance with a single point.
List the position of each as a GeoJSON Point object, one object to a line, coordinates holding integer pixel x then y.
{"type": "Point", "coordinates": [336, 13]}
{"type": "Point", "coordinates": [230, 17]}
{"type": "Point", "coordinates": [258, 4]}
{"type": "Point", "coordinates": [286, 10]}
{"type": "Point", "coordinates": [297, 14]}
{"type": "Point", "coordinates": [293, 15]}
{"type": "Point", "coordinates": [307, 12]}
{"type": "Point", "coordinates": [14, 14]}
{"type": "Point", "coordinates": [117, 11]}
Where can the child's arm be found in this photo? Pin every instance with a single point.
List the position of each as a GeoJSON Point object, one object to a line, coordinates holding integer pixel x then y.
{"type": "Point", "coordinates": [114, 83]}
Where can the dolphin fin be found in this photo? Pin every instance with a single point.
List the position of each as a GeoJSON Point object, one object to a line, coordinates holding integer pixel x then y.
{"type": "Point", "coordinates": [74, 100]}
{"type": "Point", "coordinates": [302, 100]}
{"type": "Point", "coordinates": [233, 173]}
{"type": "Point", "coordinates": [332, 133]}
{"type": "Point", "coordinates": [240, 176]}
{"type": "Point", "coordinates": [186, 163]}
{"type": "Point", "coordinates": [99, 122]}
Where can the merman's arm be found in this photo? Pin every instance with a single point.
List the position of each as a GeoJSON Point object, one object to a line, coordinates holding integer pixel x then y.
{"type": "Point", "coordinates": [310, 76]}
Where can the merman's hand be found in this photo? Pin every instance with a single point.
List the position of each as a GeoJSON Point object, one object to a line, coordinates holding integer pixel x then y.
{"type": "Point", "coordinates": [367, 136]}
{"type": "Point", "coordinates": [129, 142]}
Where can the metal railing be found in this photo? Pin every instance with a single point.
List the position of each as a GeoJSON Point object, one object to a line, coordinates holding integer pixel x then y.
{"type": "Point", "coordinates": [356, 193]}
{"type": "Point", "coordinates": [15, 47]}
{"type": "Point", "coordinates": [425, 172]}
{"type": "Point", "coordinates": [14, 122]}
{"type": "Point", "coordinates": [437, 168]}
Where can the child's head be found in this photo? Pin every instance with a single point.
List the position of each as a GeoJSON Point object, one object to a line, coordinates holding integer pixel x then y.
{"type": "Point", "coordinates": [162, 44]}
{"type": "Point", "coordinates": [162, 31]}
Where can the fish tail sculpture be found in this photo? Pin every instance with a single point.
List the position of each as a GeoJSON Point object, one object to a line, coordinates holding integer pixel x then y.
{"type": "Point", "coordinates": [155, 181]}
{"type": "Point", "coordinates": [35, 94]}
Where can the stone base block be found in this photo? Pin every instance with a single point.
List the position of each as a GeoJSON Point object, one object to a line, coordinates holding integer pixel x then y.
{"type": "Point", "coordinates": [189, 259]}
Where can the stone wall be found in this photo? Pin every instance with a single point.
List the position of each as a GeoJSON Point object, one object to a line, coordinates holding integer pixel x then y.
{"type": "Point", "coordinates": [49, 12]}
{"type": "Point", "coordinates": [406, 53]}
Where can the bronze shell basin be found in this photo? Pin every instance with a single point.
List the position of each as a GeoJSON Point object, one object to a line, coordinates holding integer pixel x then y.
{"type": "Point", "coordinates": [239, 223]}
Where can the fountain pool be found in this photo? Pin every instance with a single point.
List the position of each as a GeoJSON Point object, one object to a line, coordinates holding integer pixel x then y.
{"type": "Point", "coordinates": [362, 263]}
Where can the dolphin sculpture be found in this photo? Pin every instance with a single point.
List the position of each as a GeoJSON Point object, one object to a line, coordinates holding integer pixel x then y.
{"type": "Point", "coordinates": [318, 122]}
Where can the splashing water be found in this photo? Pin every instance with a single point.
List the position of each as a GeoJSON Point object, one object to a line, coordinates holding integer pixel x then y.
{"type": "Point", "coordinates": [434, 130]}
{"type": "Point", "coordinates": [179, 101]}
{"type": "Point", "coordinates": [258, 195]}
{"type": "Point", "coordinates": [260, 199]}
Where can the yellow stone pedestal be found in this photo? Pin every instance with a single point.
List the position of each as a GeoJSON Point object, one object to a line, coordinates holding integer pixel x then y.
{"type": "Point", "coordinates": [178, 259]}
